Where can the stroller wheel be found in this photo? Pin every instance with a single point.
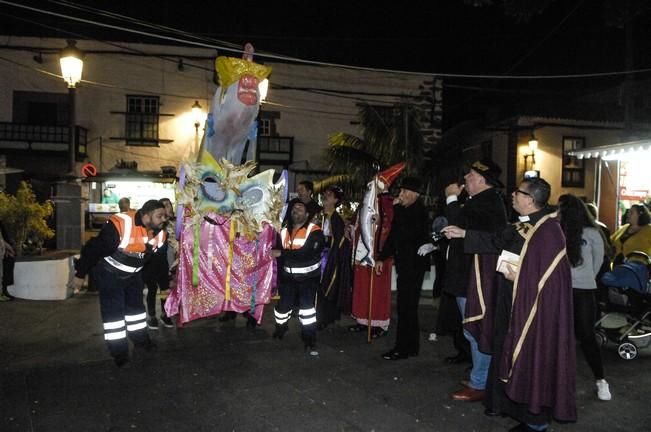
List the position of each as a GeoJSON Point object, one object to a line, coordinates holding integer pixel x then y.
{"type": "Point", "coordinates": [601, 337]}
{"type": "Point", "coordinates": [627, 351]}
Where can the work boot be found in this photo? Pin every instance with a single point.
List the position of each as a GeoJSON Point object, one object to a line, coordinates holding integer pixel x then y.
{"type": "Point", "coordinates": [309, 343]}
{"type": "Point", "coordinates": [148, 345]}
{"type": "Point", "coordinates": [280, 331]}
{"type": "Point", "coordinates": [121, 360]}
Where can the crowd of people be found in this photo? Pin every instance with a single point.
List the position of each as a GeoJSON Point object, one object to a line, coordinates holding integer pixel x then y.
{"type": "Point", "coordinates": [515, 296]}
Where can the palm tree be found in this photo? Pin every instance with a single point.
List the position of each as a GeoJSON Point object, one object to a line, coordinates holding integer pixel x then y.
{"type": "Point", "coordinates": [391, 134]}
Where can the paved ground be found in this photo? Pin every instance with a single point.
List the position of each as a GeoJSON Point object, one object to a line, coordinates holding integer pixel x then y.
{"type": "Point", "coordinates": [55, 375]}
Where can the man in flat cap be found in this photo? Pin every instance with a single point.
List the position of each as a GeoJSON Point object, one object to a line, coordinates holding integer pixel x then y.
{"type": "Point", "coordinates": [470, 278]}
{"type": "Point", "coordinates": [409, 233]}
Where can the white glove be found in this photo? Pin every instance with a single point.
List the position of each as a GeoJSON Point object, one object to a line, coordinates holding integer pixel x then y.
{"type": "Point", "coordinates": [425, 249]}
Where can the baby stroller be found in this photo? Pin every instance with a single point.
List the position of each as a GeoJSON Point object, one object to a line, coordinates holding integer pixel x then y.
{"type": "Point", "coordinates": [627, 321]}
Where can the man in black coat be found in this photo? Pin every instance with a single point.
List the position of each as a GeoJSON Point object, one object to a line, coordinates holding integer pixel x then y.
{"type": "Point", "coordinates": [409, 233]}
{"type": "Point", "coordinates": [483, 211]}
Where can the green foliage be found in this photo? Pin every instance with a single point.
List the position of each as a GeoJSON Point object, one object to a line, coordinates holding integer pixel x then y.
{"type": "Point", "coordinates": [25, 219]}
{"type": "Point", "coordinates": [391, 134]}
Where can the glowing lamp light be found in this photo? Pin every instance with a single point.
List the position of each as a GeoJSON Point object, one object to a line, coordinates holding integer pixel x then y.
{"type": "Point", "coordinates": [72, 64]}
{"type": "Point", "coordinates": [197, 114]}
{"type": "Point", "coordinates": [263, 88]}
{"type": "Point", "coordinates": [533, 144]}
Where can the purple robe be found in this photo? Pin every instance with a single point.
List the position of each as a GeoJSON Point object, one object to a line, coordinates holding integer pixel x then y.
{"type": "Point", "coordinates": [480, 301]}
{"type": "Point", "coordinates": [538, 362]}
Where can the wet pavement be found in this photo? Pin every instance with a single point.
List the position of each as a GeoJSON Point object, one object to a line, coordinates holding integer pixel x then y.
{"type": "Point", "coordinates": [56, 375]}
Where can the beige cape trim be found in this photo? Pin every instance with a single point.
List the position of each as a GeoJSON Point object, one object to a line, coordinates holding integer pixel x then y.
{"type": "Point", "coordinates": [480, 294]}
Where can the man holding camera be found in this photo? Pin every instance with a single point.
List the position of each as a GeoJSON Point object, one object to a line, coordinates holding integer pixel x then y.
{"type": "Point", "coordinates": [483, 211]}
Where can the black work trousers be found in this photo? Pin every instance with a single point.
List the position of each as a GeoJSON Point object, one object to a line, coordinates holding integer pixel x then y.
{"type": "Point", "coordinates": [410, 282]}
{"type": "Point", "coordinates": [585, 316]}
{"type": "Point", "coordinates": [121, 307]}
{"type": "Point", "coordinates": [303, 295]}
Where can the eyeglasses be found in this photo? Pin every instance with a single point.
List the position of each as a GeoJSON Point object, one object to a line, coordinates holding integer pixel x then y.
{"type": "Point", "coordinates": [517, 191]}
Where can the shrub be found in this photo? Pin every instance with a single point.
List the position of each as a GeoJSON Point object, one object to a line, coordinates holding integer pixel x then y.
{"type": "Point", "coordinates": [25, 219]}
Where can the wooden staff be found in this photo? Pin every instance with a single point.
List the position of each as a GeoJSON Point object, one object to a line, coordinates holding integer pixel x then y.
{"type": "Point", "coordinates": [370, 305]}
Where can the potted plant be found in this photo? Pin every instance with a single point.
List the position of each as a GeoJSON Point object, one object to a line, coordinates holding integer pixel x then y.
{"type": "Point", "coordinates": [25, 220]}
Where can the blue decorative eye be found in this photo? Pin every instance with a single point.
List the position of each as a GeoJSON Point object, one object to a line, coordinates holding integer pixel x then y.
{"type": "Point", "coordinates": [211, 188]}
{"type": "Point", "coordinates": [251, 197]}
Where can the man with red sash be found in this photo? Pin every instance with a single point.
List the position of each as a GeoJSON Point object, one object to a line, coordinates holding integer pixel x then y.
{"type": "Point", "coordinates": [114, 260]}
{"type": "Point", "coordinates": [533, 373]}
{"type": "Point", "coordinates": [300, 273]}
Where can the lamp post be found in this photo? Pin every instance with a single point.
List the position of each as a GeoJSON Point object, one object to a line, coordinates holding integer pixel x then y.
{"type": "Point", "coordinates": [533, 146]}
{"type": "Point", "coordinates": [197, 113]}
{"type": "Point", "coordinates": [71, 68]}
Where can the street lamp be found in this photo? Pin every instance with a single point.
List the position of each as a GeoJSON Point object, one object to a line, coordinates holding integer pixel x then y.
{"type": "Point", "coordinates": [71, 68]}
{"type": "Point", "coordinates": [197, 115]}
{"type": "Point", "coordinates": [533, 146]}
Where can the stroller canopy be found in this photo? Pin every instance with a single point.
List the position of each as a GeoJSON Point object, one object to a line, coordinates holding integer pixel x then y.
{"type": "Point", "coordinates": [633, 275]}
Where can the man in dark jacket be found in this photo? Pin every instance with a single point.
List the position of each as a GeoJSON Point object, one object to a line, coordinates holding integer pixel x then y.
{"type": "Point", "coordinates": [409, 232]}
{"type": "Point", "coordinates": [115, 259]}
{"type": "Point", "coordinates": [483, 211]}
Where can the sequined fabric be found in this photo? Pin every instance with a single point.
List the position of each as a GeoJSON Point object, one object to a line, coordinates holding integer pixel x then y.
{"type": "Point", "coordinates": [252, 273]}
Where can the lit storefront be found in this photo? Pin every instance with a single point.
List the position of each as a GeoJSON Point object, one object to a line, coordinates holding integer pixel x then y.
{"type": "Point", "coordinates": [105, 190]}
{"type": "Point", "coordinates": [623, 175]}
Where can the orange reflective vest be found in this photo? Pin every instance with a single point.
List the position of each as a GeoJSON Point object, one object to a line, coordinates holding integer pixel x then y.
{"type": "Point", "coordinates": [134, 241]}
{"type": "Point", "coordinates": [307, 265]}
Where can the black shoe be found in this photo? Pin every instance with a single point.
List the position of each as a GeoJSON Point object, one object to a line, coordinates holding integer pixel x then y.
{"type": "Point", "coordinates": [459, 358]}
{"type": "Point", "coordinates": [522, 427]}
{"type": "Point", "coordinates": [152, 323]}
{"type": "Point", "coordinates": [121, 360]}
{"type": "Point", "coordinates": [280, 331]}
{"type": "Point", "coordinates": [228, 316]}
{"type": "Point", "coordinates": [167, 321]}
{"type": "Point", "coordinates": [251, 323]}
{"type": "Point", "coordinates": [490, 413]}
{"type": "Point", "coordinates": [147, 345]}
{"type": "Point", "coordinates": [377, 332]}
{"type": "Point", "coordinates": [394, 355]}
{"type": "Point", "coordinates": [356, 328]}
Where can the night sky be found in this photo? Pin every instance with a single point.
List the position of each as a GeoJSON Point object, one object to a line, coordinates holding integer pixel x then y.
{"type": "Point", "coordinates": [446, 36]}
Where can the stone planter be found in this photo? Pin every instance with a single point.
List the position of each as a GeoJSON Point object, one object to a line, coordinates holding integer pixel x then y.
{"type": "Point", "coordinates": [46, 277]}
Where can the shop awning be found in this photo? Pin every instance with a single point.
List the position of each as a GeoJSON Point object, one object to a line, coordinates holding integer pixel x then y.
{"type": "Point", "coordinates": [619, 151]}
{"type": "Point", "coordinates": [9, 170]}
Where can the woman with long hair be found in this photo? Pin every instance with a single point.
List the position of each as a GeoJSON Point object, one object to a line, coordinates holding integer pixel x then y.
{"type": "Point", "coordinates": [585, 250]}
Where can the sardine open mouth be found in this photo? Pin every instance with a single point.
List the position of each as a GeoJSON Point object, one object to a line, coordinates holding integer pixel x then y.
{"type": "Point", "coordinates": [247, 90]}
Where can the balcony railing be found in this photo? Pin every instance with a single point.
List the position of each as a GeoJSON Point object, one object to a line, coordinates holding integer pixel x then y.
{"type": "Point", "coordinates": [19, 137]}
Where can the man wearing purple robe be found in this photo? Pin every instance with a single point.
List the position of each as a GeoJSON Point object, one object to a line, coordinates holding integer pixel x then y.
{"type": "Point", "coordinates": [533, 373]}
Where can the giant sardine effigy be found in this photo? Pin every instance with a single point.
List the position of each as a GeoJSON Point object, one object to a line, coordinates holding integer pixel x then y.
{"type": "Point", "coordinates": [226, 219]}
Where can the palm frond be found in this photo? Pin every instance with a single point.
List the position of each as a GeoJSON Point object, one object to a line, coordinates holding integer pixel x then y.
{"type": "Point", "coordinates": [340, 180]}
